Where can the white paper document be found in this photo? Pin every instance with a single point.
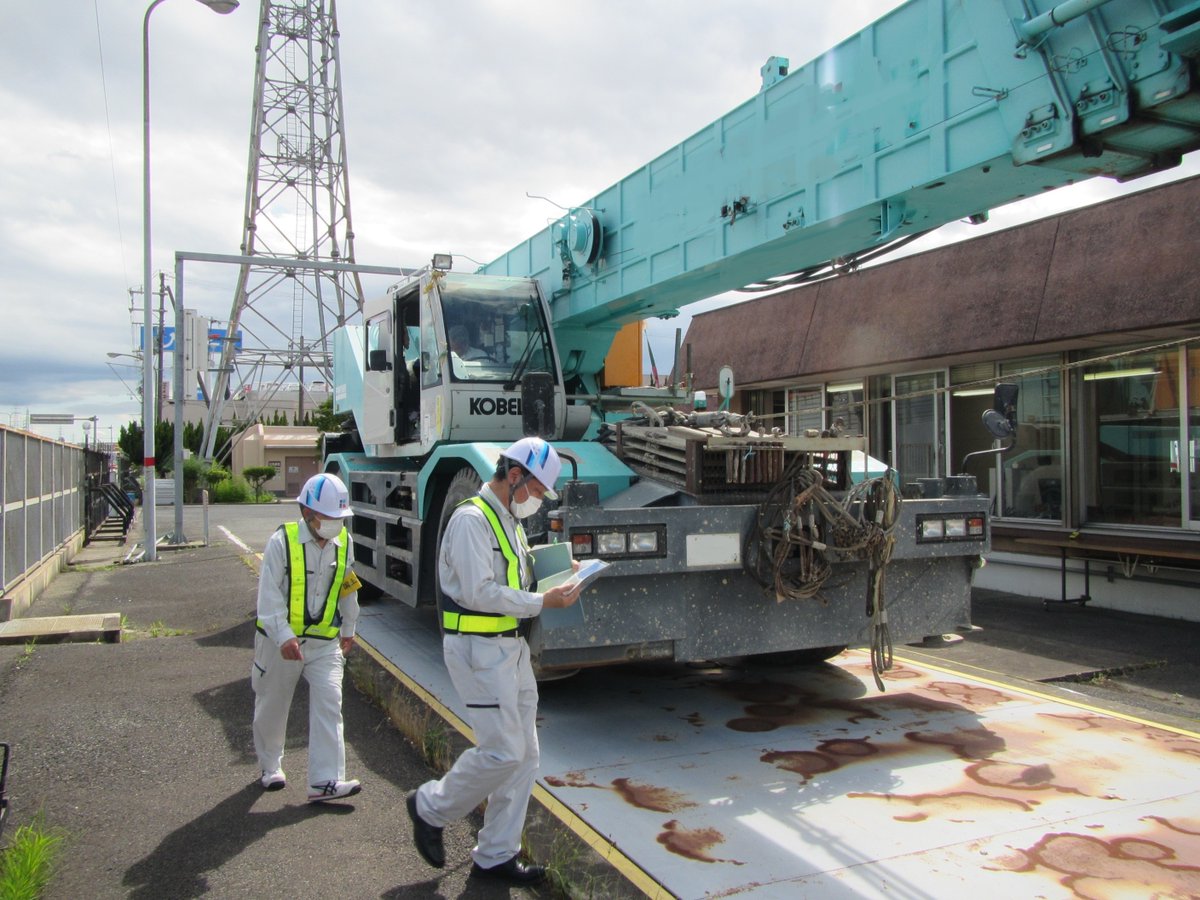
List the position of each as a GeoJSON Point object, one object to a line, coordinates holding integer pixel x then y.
{"type": "Point", "coordinates": [587, 571]}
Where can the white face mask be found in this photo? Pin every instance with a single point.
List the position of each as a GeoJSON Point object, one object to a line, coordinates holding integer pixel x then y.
{"type": "Point", "coordinates": [324, 528]}
{"type": "Point", "coordinates": [522, 509]}
{"type": "Point", "coordinates": [525, 508]}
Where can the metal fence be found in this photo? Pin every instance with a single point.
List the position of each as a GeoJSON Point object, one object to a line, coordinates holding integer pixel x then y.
{"type": "Point", "coordinates": [44, 486]}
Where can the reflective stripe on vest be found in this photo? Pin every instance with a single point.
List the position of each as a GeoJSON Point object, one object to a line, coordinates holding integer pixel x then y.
{"type": "Point", "coordinates": [303, 624]}
{"type": "Point", "coordinates": [469, 622]}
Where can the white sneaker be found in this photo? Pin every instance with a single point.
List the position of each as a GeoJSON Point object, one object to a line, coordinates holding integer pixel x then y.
{"type": "Point", "coordinates": [333, 790]}
{"type": "Point", "coordinates": [273, 781]}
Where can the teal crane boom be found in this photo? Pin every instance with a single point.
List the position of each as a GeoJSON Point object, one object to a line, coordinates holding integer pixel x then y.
{"type": "Point", "coordinates": [940, 110]}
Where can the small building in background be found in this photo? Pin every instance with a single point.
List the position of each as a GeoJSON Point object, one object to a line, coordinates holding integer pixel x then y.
{"type": "Point", "coordinates": [294, 451]}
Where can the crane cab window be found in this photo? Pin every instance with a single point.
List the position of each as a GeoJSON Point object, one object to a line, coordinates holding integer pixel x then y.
{"type": "Point", "coordinates": [379, 342]}
{"type": "Point", "coordinates": [495, 329]}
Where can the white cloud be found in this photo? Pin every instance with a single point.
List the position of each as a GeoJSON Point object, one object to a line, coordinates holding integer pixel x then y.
{"type": "Point", "coordinates": [454, 111]}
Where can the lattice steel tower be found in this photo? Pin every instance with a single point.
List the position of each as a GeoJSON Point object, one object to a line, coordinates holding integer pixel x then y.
{"type": "Point", "coordinates": [297, 207]}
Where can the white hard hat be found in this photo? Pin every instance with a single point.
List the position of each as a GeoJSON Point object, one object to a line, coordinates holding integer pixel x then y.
{"type": "Point", "coordinates": [327, 495]}
{"type": "Point", "coordinates": [540, 459]}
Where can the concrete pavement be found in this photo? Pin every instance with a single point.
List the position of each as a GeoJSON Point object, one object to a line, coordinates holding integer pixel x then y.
{"type": "Point", "coordinates": [141, 752]}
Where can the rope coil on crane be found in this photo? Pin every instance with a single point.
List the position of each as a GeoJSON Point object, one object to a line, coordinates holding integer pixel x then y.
{"type": "Point", "coordinates": [800, 522]}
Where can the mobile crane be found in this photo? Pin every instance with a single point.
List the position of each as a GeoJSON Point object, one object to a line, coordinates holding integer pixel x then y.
{"type": "Point", "coordinates": [725, 536]}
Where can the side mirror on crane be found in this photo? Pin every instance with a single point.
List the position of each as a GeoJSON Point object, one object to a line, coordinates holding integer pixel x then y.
{"type": "Point", "coordinates": [377, 361]}
{"type": "Point", "coordinates": [537, 405]}
{"type": "Point", "coordinates": [1000, 420]}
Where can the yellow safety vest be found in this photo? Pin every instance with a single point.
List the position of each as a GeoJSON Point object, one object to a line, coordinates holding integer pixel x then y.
{"type": "Point", "coordinates": [458, 620]}
{"type": "Point", "coordinates": [324, 626]}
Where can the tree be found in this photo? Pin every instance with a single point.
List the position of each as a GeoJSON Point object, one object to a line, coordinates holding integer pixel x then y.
{"type": "Point", "coordinates": [326, 420]}
{"type": "Point", "coordinates": [130, 443]}
{"type": "Point", "coordinates": [256, 475]}
{"type": "Point", "coordinates": [193, 439]}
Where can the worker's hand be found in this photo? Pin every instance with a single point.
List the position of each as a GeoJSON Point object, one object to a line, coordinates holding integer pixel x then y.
{"type": "Point", "coordinates": [291, 650]}
{"type": "Point", "coordinates": [561, 597]}
{"type": "Point", "coordinates": [347, 645]}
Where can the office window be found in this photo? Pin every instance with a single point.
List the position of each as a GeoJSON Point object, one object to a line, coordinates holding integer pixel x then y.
{"type": "Point", "coordinates": [803, 410]}
{"type": "Point", "coordinates": [1130, 439]}
{"type": "Point", "coordinates": [879, 423]}
{"type": "Point", "coordinates": [768, 405]}
{"type": "Point", "coordinates": [1190, 466]}
{"type": "Point", "coordinates": [1034, 482]}
{"type": "Point", "coordinates": [971, 388]}
{"type": "Point", "coordinates": [844, 402]}
{"type": "Point", "coordinates": [919, 409]}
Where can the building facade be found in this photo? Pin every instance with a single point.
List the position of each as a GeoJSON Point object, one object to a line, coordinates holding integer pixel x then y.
{"type": "Point", "coordinates": [294, 452]}
{"type": "Point", "coordinates": [1094, 314]}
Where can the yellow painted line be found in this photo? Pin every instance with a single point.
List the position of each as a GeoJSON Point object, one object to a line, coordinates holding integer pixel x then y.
{"type": "Point", "coordinates": [634, 873]}
{"type": "Point", "coordinates": [1031, 692]}
{"type": "Point", "coordinates": [426, 697]}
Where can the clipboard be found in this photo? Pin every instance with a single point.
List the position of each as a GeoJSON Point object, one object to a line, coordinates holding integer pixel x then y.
{"type": "Point", "coordinates": [552, 567]}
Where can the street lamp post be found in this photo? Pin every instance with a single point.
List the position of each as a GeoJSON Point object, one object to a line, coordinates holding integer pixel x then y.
{"type": "Point", "coordinates": [148, 392]}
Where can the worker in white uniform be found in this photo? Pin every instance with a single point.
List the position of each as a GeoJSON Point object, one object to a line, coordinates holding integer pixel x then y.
{"type": "Point", "coordinates": [307, 610]}
{"type": "Point", "coordinates": [485, 574]}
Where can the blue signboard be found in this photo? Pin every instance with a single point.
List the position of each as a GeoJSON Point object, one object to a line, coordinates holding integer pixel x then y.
{"type": "Point", "coordinates": [216, 338]}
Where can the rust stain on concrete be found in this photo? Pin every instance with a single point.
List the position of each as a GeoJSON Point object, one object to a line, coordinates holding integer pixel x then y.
{"type": "Point", "coordinates": [1156, 864]}
{"type": "Point", "coordinates": [692, 843]}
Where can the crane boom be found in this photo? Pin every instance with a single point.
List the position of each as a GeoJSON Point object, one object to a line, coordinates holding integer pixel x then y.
{"type": "Point", "coordinates": [724, 532]}
{"type": "Point", "coordinates": [939, 110]}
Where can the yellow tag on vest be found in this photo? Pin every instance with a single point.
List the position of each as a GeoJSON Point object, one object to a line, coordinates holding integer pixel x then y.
{"type": "Point", "coordinates": [350, 583]}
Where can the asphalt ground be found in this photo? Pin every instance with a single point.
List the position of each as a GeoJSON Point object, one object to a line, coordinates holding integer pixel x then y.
{"type": "Point", "coordinates": [141, 753]}
{"type": "Point", "coordinates": [1143, 666]}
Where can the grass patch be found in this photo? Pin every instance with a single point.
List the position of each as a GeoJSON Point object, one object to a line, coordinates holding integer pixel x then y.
{"type": "Point", "coordinates": [159, 629]}
{"type": "Point", "coordinates": [1105, 677]}
{"type": "Point", "coordinates": [417, 722]}
{"type": "Point", "coordinates": [566, 870]}
{"type": "Point", "coordinates": [156, 629]}
{"type": "Point", "coordinates": [28, 864]}
{"type": "Point", "coordinates": [435, 745]}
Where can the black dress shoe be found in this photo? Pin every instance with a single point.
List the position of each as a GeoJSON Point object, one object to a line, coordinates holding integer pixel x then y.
{"type": "Point", "coordinates": [427, 838]}
{"type": "Point", "coordinates": [513, 871]}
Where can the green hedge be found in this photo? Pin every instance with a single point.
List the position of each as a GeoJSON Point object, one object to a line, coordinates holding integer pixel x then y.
{"type": "Point", "coordinates": [232, 490]}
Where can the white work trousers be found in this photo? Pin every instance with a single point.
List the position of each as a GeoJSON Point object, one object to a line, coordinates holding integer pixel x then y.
{"type": "Point", "coordinates": [495, 680]}
{"type": "Point", "coordinates": [274, 681]}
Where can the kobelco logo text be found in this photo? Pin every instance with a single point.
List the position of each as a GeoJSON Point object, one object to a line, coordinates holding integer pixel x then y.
{"type": "Point", "coordinates": [495, 406]}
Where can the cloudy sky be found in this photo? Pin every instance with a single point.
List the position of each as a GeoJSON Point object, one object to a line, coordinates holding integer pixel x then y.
{"type": "Point", "coordinates": [453, 111]}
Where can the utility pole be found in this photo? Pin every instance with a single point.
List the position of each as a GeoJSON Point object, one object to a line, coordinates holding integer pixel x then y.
{"type": "Point", "coordinates": [158, 344]}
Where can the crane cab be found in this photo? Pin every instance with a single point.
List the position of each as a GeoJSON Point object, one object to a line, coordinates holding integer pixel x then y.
{"type": "Point", "coordinates": [444, 356]}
